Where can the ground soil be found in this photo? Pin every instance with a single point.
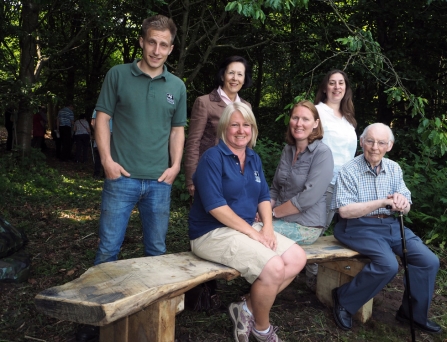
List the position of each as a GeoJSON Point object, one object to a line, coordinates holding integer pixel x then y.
{"type": "Point", "coordinates": [301, 317]}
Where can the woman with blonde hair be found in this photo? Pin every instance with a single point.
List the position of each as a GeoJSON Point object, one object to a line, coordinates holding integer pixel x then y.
{"type": "Point", "coordinates": [230, 188]}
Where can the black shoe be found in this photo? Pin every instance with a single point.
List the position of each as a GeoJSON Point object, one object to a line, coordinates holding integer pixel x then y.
{"type": "Point", "coordinates": [87, 333]}
{"type": "Point", "coordinates": [342, 317]}
{"type": "Point", "coordinates": [429, 327]}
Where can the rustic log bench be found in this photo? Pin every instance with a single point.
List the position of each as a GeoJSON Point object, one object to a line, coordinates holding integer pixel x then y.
{"type": "Point", "coordinates": [137, 299]}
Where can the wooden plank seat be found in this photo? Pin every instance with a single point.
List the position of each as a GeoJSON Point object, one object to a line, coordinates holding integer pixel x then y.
{"type": "Point", "coordinates": [137, 299]}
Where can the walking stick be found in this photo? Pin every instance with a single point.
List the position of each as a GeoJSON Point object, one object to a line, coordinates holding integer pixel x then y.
{"type": "Point", "coordinates": [93, 154]}
{"type": "Point", "coordinates": [407, 276]}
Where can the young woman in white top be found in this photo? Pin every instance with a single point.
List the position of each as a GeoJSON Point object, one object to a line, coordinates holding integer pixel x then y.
{"type": "Point", "coordinates": [336, 111]}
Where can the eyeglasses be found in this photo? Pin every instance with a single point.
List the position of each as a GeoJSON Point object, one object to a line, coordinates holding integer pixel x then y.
{"type": "Point", "coordinates": [380, 143]}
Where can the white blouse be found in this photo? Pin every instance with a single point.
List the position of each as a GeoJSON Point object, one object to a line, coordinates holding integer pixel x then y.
{"type": "Point", "coordinates": [339, 135]}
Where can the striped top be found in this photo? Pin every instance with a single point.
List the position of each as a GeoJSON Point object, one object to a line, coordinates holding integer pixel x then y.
{"type": "Point", "coordinates": [65, 116]}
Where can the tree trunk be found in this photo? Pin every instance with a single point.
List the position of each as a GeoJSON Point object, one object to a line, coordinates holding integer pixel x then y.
{"type": "Point", "coordinates": [30, 14]}
{"type": "Point", "coordinates": [260, 72]}
{"type": "Point", "coordinates": [384, 112]}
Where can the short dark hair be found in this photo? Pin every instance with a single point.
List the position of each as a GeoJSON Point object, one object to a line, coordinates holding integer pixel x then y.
{"type": "Point", "coordinates": [346, 104]}
{"type": "Point", "coordinates": [317, 133]}
{"type": "Point", "coordinates": [223, 67]}
{"type": "Point", "coordinates": [160, 23]}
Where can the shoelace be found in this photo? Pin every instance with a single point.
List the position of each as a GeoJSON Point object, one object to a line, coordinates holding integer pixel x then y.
{"type": "Point", "coordinates": [272, 334]}
{"type": "Point", "coordinates": [251, 319]}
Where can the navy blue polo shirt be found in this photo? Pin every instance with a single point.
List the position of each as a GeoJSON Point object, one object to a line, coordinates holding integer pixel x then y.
{"type": "Point", "coordinates": [219, 181]}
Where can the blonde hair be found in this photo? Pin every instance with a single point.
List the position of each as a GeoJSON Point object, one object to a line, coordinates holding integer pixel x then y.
{"type": "Point", "coordinates": [248, 116]}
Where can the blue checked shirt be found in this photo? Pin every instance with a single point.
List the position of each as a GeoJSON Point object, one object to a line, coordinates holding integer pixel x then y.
{"type": "Point", "coordinates": [357, 183]}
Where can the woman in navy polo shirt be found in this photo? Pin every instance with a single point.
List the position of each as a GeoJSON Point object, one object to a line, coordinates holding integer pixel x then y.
{"type": "Point", "coordinates": [229, 189]}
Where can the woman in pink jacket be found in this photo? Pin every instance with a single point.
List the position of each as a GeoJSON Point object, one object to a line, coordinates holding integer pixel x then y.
{"type": "Point", "coordinates": [233, 75]}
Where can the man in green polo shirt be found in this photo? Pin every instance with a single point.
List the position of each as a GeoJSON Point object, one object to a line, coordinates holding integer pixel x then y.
{"type": "Point", "coordinates": [142, 157]}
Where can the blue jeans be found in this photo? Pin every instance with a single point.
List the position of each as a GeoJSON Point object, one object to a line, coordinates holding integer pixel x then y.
{"type": "Point", "coordinates": [119, 197]}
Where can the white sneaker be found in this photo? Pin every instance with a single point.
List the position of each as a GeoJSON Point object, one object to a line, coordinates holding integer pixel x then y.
{"type": "Point", "coordinates": [269, 337]}
{"type": "Point", "coordinates": [243, 322]}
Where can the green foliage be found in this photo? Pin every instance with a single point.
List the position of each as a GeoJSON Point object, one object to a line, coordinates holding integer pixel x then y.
{"type": "Point", "coordinates": [24, 176]}
{"type": "Point", "coordinates": [415, 103]}
{"type": "Point", "coordinates": [180, 195]}
{"type": "Point", "coordinates": [254, 9]}
{"type": "Point", "coordinates": [270, 153]}
{"type": "Point", "coordinates": [433, 136]}
{"type": "Point", "coordinates": [364, 48]}
{"type": "Point", "coordinates": [427, 180]}
{"type": "Point", "coordinates": [29, 179]}
{"type": "Point", "coordinates": [425, 176]}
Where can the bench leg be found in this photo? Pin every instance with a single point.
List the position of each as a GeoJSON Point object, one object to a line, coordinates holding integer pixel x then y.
{"type": "Point", "coordinates": [156, 323]}
{"type": "Point", "coordinates": [336, 273]}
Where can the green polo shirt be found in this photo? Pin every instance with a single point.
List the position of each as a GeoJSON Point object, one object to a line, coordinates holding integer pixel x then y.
{"type": "Point", "coordinates": [143, 110]}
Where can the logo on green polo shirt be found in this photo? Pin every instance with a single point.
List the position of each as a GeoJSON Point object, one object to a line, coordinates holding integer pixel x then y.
{"type": "Point", "coordinates": [170, 98]}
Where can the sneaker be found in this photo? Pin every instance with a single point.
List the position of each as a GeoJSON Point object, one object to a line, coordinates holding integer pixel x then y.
{"type": "Point", "coordinates": [269, 337]}
{"type": "Point", "coordinates": [243, 322]}
{"type": "Point", "coordinates": [311, 282]}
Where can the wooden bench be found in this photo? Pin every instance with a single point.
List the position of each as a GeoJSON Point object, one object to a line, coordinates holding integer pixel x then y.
{"type": "Point", "coordinates": [137, 299]}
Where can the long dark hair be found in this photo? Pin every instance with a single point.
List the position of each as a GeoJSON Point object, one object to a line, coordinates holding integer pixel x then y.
{"type": "Point", "coordinates": [346, 104]}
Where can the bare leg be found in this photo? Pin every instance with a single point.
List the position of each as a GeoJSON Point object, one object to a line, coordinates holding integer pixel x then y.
{"type": "Point", "coordinates": [275, 276]}
{"type": "Point", "coordinates": [295, 260]}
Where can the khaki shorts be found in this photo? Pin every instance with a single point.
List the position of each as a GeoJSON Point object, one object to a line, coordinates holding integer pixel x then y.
{"type": "Point", "coordinates": [229, 247]}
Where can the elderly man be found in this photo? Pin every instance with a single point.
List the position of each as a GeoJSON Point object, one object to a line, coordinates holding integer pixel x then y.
{"type": "Point", "coordinates": [365, 187]}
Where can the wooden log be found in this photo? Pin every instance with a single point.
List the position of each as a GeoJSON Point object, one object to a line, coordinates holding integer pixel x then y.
{"type": "Point", "coordinates": [336, 273]}
{"type": "Point", "coordinates": [156, 323]}
{"type": "Point", "coordinates": [108, 292]}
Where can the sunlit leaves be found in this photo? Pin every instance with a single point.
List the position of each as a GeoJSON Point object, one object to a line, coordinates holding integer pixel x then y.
{"type": "Point", "coordinates": [255, 9]}
{"type": "Point", "coordinates": [362, 46]}
{"type": "Point", "coordinates": [433, 135]}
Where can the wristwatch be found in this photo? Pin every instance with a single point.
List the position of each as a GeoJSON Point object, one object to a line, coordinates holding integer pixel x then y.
{"type": "Point", "coordinates": [273, 213]}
